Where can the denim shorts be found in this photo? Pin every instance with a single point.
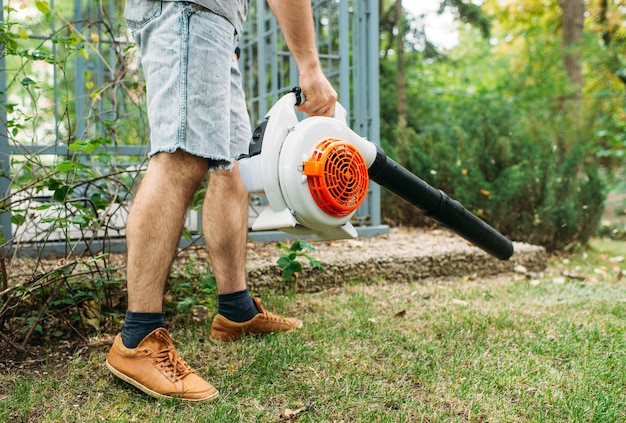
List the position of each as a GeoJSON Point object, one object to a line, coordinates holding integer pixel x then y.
{"type": "Point", "coordinates": [195, 99]}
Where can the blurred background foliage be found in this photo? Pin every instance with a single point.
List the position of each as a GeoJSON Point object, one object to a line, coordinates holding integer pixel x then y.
{"type": "Point", "coordinates": [522, 120]}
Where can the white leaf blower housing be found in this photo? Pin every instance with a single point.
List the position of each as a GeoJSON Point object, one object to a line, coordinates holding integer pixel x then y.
{"type": "Point", "coordinates": [314, 172]}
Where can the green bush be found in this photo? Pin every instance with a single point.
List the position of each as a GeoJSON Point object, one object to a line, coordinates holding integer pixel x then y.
{"type": "Point", "coordinates": [528, 189]}
{"type": "Point", "coordinates": [520, 168]}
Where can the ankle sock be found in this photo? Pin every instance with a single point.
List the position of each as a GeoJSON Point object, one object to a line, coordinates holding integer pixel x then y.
{"type": "Point", "coordinates": [237, 306]}
{"type": "Point", "coordinates": [138, 325]}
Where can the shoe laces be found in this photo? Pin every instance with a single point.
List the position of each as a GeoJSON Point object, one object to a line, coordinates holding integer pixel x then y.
{"type": "Point", "coordinates": [274, 317]}
{"type": "Point", "coordinates": [169, 361]}
{"type": "Point", "coordinates": [269, 316]}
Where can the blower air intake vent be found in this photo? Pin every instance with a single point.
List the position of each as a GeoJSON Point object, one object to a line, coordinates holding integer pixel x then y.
{"type": "Point", "coordinates": [337, 177]}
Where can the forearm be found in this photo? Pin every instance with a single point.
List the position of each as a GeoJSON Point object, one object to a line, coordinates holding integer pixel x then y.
{"type": "Point", "coordinates": [295, 18]}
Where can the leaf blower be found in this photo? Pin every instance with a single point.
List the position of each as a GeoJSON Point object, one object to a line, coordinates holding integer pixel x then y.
{"type": "Point", "coordinates": [315, 173]}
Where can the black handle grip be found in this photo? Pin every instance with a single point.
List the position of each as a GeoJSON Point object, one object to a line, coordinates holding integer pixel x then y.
{"type": "Point", "coordinates": [437, 205]}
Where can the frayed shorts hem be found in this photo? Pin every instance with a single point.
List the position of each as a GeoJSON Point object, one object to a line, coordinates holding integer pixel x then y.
{"type": "Point", "coordinates": [194, 94]}
{"type": "Point", "coordinates": [214, 163]}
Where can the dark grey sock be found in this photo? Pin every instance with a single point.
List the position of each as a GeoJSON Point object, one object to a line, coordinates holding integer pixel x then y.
{"type": "Point", "coordinates": [138, 325]}
{"type": "Point", "coordinates": [237, 306]}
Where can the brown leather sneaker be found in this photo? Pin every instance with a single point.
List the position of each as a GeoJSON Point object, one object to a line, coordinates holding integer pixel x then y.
{"type": "Point", "coordinates": [156, 368]}
{"type": "Point", "coordinates": [225, 330]}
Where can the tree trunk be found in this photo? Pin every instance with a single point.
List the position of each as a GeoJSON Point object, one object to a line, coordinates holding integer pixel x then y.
{"type": "Point", "coordinates": [571, 102]}
{"type": "Point", "coordinates": [402, 107]}
{"type": "Point", "coordinates": [609, 32]}
{"type": "Point", "coordinates": [573, 21]}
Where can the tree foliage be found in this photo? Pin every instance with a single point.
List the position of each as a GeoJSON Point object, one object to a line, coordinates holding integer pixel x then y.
{"type": "Point", "coordinates": [494, 123]}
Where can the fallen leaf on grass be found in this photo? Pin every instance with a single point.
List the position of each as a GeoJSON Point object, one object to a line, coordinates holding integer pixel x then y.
{"type": "Point", "coordinates": [233, 367]}
{"type": "Point", "coordinates": [524, 271]}
{"type": "Point", "coordinates": [600, 271]}
{"type": "Point", "coordinates": [290, 415]}
{"type": "Point", "coordinates": [99, 341]}
{"type": "Point", "coordinates": [573, 276]}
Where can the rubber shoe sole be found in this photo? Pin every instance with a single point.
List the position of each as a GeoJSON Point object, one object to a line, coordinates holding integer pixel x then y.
{"type": "Point", "coordinates": [150, 392]}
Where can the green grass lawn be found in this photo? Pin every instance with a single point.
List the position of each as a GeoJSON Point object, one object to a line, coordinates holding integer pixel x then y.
{"type": "Point", "coordinates": [513, 348]}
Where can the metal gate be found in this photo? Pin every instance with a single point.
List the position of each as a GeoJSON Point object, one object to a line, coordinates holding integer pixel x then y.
{"type": "Point", "coordinates": [104, 89]}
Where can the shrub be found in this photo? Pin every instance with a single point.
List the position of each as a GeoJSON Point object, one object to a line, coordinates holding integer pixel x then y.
{"type": "Point", "coordinates": [507, 165]}
{"type": "Point", "coordinates": [65, 183]}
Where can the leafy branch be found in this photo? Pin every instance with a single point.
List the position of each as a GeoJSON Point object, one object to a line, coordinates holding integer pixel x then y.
{"type": "Point", "coordinates": [289, 259]}
{"type": "Point", "coordinates": [68, 182]}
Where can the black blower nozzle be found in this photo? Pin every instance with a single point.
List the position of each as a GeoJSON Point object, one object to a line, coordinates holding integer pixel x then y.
{"type": "Point", "coordinates": [437, 205]}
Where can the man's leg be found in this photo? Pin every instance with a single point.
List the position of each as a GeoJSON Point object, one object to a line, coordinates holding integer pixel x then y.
{"type": "Point", "coordinates": [144, 354]}
{"type": "Point", "coordinates": [155, 223]}
{"type": "Point", "coordinates": [225, 221]}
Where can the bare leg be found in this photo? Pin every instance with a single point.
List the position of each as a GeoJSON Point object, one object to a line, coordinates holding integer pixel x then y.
{"type": "Point", "coordinates": [143, 354]}
{"type": "Point", "coordinates": [225, 229]}
{"type": "Point", "coordinates": [155, 223]}
{"type": "Point", "coordinates": [225, 221]}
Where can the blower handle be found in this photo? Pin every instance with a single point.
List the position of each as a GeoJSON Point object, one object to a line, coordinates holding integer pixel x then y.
{"type": "Point", "coordinates": [300, 98]}
{"type": "Point", "coordinates": [340, 111]}
{"type": "Point", "coordinates": [437, 205]}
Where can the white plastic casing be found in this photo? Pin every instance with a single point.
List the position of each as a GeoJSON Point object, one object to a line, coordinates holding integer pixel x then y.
{"type": "Point", "coordinates": [297, 148]}
{"type": "Point", "coordinates": [277, 171]}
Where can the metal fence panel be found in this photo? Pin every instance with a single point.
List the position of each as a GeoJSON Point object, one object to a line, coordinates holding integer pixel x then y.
{"type": "Point", "coordinates": [104, 83]}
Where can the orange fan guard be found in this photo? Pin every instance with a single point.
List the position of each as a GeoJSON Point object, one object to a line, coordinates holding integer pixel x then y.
{"type": "Point", "coordinates": [337, 177]}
